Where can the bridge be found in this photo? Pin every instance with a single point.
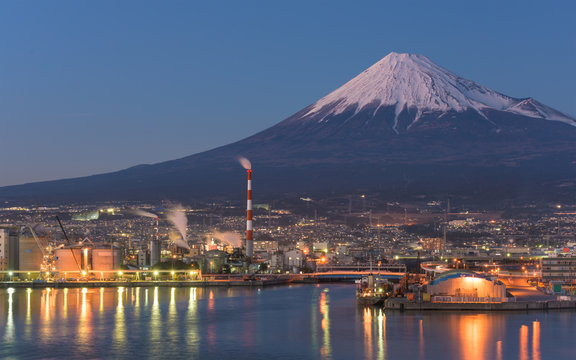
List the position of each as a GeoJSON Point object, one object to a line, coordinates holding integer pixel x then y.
{"type": "Point", "coordinates": [401, 268]}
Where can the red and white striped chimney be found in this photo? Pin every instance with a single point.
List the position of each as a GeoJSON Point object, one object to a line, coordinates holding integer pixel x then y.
{"type": "Point", "coordinates": [249, 239]}
{"type": "Point", "coordinates": [157, 228]}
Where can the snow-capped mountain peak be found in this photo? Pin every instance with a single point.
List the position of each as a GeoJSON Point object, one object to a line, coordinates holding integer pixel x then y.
{"type": "Point", "coordinates": [414, 81]}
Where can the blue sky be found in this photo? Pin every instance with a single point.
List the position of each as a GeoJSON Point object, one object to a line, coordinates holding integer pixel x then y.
{"type": "Point", "coordinates": [96, 86]}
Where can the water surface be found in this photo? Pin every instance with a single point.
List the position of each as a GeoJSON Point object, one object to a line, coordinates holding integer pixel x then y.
{"type": "Point", "coordinates": [289, 322]}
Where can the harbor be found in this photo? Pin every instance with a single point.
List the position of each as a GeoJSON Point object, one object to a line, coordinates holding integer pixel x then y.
{"type": "Point", "coordinates": [137, 278]}
{"type": "Point", "coordinates": [460, 290]}
{"type": "Point", "coordinates": [402, 304]}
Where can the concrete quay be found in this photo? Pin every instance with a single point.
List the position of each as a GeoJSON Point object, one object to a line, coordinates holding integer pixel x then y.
{"type": "Point", "coordinates": [401, 304]}
{"type": "Point", "coordinates": [101, 284]}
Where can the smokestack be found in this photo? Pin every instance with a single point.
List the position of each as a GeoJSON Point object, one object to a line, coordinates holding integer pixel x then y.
{"type": "Point", "coordinates": [157, 228]}
{"type": "Point", "coordinates": [249, 240]}
{"type": "Point", "coordinates": [249, 243]}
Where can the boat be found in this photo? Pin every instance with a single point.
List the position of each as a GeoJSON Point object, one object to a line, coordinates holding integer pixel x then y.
{"type": "Point", "coordinates": [373, 291]}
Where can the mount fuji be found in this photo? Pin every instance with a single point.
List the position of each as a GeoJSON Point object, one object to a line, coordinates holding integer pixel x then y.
{"type": "Point", "coordinates": [403, 127]}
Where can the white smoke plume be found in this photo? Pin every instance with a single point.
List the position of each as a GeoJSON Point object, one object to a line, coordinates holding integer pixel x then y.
{"type": "Point", "coordinates": [178, 241]}
{"type": "Point", "coordinates": [229, 238]}
{"type": "Point", "coordinates": [177, 216]}
{"type": "Point", "coordinates": [246, 164]}
{"type": "Point", "coordinates": [141, 212]}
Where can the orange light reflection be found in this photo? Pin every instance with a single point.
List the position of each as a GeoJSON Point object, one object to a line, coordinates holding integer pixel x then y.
{"type": "Point", "coordinates": [524, 343]}
{"type": "Point", "coordinates": [367, 333]}
{"type": "Point", "coordinates": [536, 355]}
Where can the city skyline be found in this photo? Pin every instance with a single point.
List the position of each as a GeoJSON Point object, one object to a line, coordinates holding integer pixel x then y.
{"type": "Point", "coordinates": [101, 88]}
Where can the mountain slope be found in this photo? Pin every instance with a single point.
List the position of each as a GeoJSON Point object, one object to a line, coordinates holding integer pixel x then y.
{"type": "Point", "coordinates": [407, 81]}
{"type": "Point", "coordinates": [404, 126]}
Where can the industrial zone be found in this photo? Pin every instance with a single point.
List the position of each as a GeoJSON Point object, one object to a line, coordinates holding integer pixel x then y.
{"type": "Point", "coordinates": [403, 258]}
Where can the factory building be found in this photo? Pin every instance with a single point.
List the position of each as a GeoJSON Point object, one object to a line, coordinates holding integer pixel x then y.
{"type": "Point", "coordinates": [30, 255]}
{"type": "Point", "coordinates": [559, 268]}
{"type": "Point", "coordinates": [21, 250]}
{"type": "Point", "coordinates": [294, 258]}
{"type": "Point", "coordinates": [142, 258]}
{"type": "Point", "coordinates": [214, 261]}
{"type": "Point", "coordinates": [277, 262]}
{"type": "Point", "coordinates": [465, 286]}
{"type": "Point", "coordinates": [268, 246]}
{"type": "Point", "coordinates": [9, 248]}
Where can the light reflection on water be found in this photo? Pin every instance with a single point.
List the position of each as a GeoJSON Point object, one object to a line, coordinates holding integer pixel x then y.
{"type": "Point", "coordinates": [536, 340]}
{"type": "Point", "coordinates": [326, 350]}
{"type": "Point", "coordinates": [304, 322]}
{"type": "Point", "coordinates": [119, 321]}
{"type": "Point", "coordinates": [9, 331]}
{"type": "Point", "coordinates": [374, 324]}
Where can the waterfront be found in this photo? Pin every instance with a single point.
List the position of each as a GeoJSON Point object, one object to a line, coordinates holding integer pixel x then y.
{"type": "Point", "coordinates": [296, 321]}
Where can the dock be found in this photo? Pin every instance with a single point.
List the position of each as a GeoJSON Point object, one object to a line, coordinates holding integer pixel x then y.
{"type": "Point", "coordinates": [136, 278]}
{"type": "Point", "coordinates": [400, 304]}
{"type": "Point", "coordinates": [237, 282]}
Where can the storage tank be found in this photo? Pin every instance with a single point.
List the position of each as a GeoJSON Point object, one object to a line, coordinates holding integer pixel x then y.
{"type": "Point", "coordinates": [30, 255]}
{"type": "Point", "coordinates": [106, 259]}
{"type": "Point", "coordinates": [68, 259]}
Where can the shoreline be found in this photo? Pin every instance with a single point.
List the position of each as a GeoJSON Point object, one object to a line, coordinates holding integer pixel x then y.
{"type": "Point", "coordinates": [398, 305]}
{"type": "Point", "coordinates": [159, 283]}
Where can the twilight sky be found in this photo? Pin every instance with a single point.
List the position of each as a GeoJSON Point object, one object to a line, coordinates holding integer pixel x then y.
{"type": "Point", "coordinates": [95, 86]}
